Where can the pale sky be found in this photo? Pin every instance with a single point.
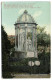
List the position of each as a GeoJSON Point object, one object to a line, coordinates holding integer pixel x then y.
{"type": "Point", "coordinates": [40, 11]}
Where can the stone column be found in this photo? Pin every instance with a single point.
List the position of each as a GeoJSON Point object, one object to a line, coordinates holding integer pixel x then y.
{"type": "Point", "coordinates": [26, 38]}
{"type": "Point", "coordinates": [18, 38]}
{"type": "Point", "coordinates": [36, 43]}
{"type": "Point", "coordinates": [33, 38]}
{"type": "Point", "coordinates": [20, 41]}
{"type": "Point", "coordinates": [15, 38]}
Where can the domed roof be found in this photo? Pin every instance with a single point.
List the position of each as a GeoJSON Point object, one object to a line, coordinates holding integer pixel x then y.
{"type": "Point", "coordinates": [25, 18]}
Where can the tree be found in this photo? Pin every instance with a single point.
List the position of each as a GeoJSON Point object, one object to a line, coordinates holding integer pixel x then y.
{"type": "Point", "coordinates": [43, 39]}
{"type": "Point", "coordinates": [6, 46]}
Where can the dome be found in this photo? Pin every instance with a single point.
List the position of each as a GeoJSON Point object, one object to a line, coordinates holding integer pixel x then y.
{"type": "Point", "coordinates": [25, 18]}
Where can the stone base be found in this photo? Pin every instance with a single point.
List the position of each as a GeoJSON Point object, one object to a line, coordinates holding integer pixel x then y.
{"type": "Point", "coordinates": [21, 55]}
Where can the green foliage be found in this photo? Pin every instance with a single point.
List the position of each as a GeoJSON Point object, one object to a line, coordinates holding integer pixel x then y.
{"type": "Point", "coordinates": [6, 46]}
{"type": "Point", "coordinates": [45, 63]}
{"type": "Point", "coordinates": [22, 66]}
{"type": "Point", "coordinates": [12, 52]}
{"type": "Point", "coordinates": [43, 41]}
{"type": "Point", "coordinates": [42, 37]}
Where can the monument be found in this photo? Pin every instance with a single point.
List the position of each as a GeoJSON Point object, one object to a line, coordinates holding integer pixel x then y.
{"type": "Point", "coordinates": [25, 36]}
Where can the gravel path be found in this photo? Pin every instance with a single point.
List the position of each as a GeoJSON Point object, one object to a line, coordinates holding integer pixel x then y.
{"type": "Point", "coordinates": [31, 75]}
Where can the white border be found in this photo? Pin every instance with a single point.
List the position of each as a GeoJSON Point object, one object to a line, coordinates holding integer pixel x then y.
{"type": "Point", "coordinates": [24, 0]}
{"type": "Point", "coordinates": [0, 38]}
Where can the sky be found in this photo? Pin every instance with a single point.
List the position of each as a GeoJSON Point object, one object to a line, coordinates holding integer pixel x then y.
{"type": "Point", "coordinates": [40, 11]}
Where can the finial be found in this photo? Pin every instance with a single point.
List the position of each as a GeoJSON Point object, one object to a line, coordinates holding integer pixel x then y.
{"type": "Point", "coordinates": [25, 12]}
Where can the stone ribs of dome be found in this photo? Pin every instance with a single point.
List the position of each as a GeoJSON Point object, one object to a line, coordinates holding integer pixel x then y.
{"type": "Point", "coordinates": [25, 18]}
